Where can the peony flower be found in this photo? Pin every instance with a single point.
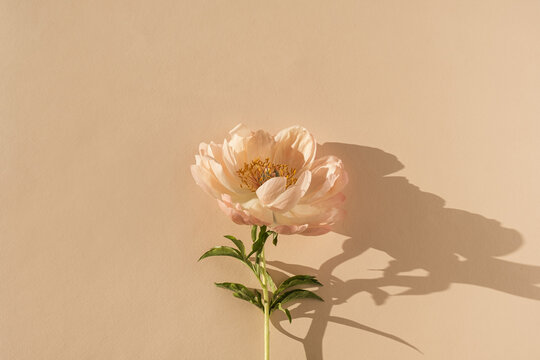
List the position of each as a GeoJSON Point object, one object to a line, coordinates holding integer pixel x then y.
{"type": "Point", "coordinates": [277, 181]}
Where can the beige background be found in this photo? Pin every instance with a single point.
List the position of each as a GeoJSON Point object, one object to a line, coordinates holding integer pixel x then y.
{"type": "Point", "coordinates": [433, 105]}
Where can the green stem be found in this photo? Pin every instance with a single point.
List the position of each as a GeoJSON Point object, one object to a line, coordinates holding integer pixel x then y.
{"type": "Point", "coordinates": [266, 309]}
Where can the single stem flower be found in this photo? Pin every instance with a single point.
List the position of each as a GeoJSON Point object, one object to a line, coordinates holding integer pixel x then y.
{"type": "Point", "coordinates": [276, 185]}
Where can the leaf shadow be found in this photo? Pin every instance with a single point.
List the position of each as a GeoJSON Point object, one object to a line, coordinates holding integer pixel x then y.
{"type": "Point", "coordinates": [388, 213]}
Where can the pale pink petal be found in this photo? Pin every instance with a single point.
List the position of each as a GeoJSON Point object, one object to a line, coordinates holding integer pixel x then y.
{"type": "Point", "coordinates": [207, 181]}
{"type": "Point", "coordinates": [327, 172]}
{"type": "Point", "coordinates": [240, 215]}
{"type": "Point", "coordinates": [229, 156]}
{"type": "Point", "coordinates": [236, 216]}
{"type": "Point", "coordinates": [260, 145]}
{"type": "Point", "coordinates": [319, 219]}
{"type": "Point", "coordinates": [255, 208]}
{"type": "Point", "coordinates": [271, 189]}
{"type": "Point", "coordinates": [237, 145]}
{"type": "Point", "coordinates": [289, 229]}
{"type": "Point", "coordinates": [211, 157]}
{"type": "Point", "coordinates": [335, 200]}
{"type": "Point", "coordinates": [296, 147]}
{"type": "Point", "coordinates": [279, 200]}
{"type": "Point", "coordinates": [240, 130]}
{"type": "Point", "coordinates": [339, 185]}
{"type": "Point", "coordinates": [203, 149]}
{"type": "Point", "coordinates": [223, 171]}
{"type": "Point", "coordinates": [245, 146]}
{"type": "Point", "coordinates": [223, 175]}
{"type": "Point", "coordinates": [216, 180]}
{"type": "Point", "coordinates": [309, 214]}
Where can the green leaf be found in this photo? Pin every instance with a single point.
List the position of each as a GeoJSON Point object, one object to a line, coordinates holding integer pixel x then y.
{"type": "Point", "coordinates": [222, 251]}
{"type": "Point", "coordinates": [271, 282]}
{"type": "Point", "coordinates": [274, 238]}
{"type": "Point", "coordinates": [242, 292]}
{"type": "Point", "coordinates": [239, 244]}
{"type": "Point", "coordinates": [297, 280]}
{"type": "Point", "coordinates": [259, 244]}
{"type": "Point", "coordinates": [254, 233]}
{"type": "Point", "coordinates": [255, 267]}
{"type": "Point", "coordinates": [258, 297]}
{"type": "Point", "coordinates": [286, 311]}
{"type": "Point", "coordinates": [294, 295]}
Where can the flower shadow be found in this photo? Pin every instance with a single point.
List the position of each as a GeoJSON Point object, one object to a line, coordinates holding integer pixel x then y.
{"type": "Point", "coordinates": [389, 214]}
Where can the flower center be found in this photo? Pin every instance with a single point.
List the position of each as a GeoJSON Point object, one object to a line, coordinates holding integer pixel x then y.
{"type": "Point", "coordinates": [257, 172]}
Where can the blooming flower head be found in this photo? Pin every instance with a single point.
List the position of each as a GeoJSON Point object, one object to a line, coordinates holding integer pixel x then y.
{"type": "Point", "coordinates": [277, 181]}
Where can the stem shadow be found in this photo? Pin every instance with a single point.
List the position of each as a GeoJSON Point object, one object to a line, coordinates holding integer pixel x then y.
{"type": "Point", "coordinates": [389, 214]}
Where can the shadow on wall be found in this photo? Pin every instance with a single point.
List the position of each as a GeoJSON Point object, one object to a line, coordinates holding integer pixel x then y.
{"type": "Point", "coordinates": [413, 227]}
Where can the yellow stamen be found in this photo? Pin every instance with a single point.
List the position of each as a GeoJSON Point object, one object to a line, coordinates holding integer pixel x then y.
{"type": "Point", "coordinates": [257, 172]}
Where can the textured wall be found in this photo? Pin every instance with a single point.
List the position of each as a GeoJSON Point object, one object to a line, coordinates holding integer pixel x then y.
{"type": "Point", "coordinates": [433, 105]}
